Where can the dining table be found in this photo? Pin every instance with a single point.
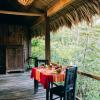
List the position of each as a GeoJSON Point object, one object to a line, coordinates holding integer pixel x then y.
{"type": "Point", "coordinates": [46, 77]}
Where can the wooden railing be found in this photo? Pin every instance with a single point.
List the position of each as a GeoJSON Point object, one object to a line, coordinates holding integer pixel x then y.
{"type": "Point", "coordinates": [89, 75]}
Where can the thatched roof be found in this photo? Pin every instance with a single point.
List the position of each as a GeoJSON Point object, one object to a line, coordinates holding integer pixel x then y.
{"type": "Point", "coordinates": [72, 14]}
{"type": "Point", "coordinates": [32, 13]}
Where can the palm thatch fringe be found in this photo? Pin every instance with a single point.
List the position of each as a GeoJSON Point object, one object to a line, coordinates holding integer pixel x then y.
{"type": "Point", "coordinates": [39, 31]}
{"type": "Point", "coordinates": [71, 15]}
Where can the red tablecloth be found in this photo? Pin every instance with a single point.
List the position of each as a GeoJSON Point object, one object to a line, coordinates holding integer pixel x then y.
{"type": "Point", "coordinates": [44, 76]}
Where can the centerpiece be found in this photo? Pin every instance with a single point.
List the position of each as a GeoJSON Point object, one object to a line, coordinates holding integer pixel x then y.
{"type": "Point", "coordinates": [58, 69]}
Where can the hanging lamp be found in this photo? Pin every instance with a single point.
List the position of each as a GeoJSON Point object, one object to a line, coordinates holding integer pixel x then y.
{"type": "Point", "coordinates": [25, 2]}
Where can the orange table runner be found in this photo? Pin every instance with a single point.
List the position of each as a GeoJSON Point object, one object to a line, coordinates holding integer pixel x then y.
{"type": "Point", "coordinates": [44, 76]}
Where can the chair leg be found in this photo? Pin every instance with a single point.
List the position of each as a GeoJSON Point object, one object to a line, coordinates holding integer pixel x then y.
{"type": "Point", "coordinates": [64, 98]}
{"type": "Point", "coordinates": [51, 96]}
{"type": "Point", "coordinates": [60, 98]}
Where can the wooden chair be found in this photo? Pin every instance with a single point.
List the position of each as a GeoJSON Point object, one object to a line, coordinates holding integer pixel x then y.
{"type": "Point", "coordinates": [40, 61]}
{"type": "Point", "coordinates": [37, 64]}
{"type": "Point", "coordinates": [66, 91]}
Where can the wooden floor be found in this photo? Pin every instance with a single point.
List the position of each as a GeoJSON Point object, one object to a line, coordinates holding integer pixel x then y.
{"type": "Point", "coordinates": [19, 86]}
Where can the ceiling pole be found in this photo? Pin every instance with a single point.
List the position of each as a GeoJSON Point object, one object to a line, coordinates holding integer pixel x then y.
{"type": "Point", "coordinates": [20, 13]}
{"type": "Point", "coordinates": [47, 38]}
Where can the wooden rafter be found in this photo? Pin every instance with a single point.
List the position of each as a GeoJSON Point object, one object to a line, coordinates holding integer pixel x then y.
{"type": "Point", "coordinates": [19, 13]}
{"type": "Point", "coordinates": [58, 6]}
{"type": "Point", "coordinates": [54, 9]}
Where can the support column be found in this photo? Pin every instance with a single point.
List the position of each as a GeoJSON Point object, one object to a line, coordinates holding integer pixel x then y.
{"type": "Point", "coordinates": [47, 38]}
{"type": "Point", "coordinates": [29, 48]}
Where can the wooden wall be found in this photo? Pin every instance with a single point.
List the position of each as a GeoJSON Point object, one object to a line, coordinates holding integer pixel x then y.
{"type": "Point", "coordinates": [15, 39]}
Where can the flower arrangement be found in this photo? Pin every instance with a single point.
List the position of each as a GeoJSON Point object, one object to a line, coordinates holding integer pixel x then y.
{"type": "Point", "coordinates": [58, 69]}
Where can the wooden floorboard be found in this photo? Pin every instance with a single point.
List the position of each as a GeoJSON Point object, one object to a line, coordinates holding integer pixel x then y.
{"type": "Point", "coordinates": [19, 86]}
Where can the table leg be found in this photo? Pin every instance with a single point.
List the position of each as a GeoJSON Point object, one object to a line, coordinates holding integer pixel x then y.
{"type": "Point", "coordinates": [47, 92]}
{"type": "Point", "coordinates": [35, 86]}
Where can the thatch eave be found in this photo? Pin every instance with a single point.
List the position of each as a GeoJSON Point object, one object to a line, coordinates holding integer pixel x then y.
{"type": "Point", "coordinates": [71, 15]}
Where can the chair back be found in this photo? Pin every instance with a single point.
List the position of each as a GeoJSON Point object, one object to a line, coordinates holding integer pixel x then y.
{"type": "Point", "coordinates": [70, 82]}
{"type": "Point", "coordinates": [39, 62]}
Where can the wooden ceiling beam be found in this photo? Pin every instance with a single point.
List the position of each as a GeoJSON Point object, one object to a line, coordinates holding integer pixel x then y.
{"type": "Point", "coordinates": [19, 13]}
{"type": "Point", "coordinates": [59, 5]}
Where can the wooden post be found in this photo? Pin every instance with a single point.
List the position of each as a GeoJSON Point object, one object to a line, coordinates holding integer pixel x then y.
{"type": "Point", "coordinates": [47, 38]}
{"type": "Point", "coordinates": [29, 48]}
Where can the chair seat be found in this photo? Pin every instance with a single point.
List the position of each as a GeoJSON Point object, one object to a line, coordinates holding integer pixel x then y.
{"type": "Point", "coordinates": [59, 90]}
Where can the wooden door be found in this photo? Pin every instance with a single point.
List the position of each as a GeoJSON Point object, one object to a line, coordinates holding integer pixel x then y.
{"type": "Point", "coordinates": [2, 59]}
{"type": "Point", "coordinates": [14, 58]}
